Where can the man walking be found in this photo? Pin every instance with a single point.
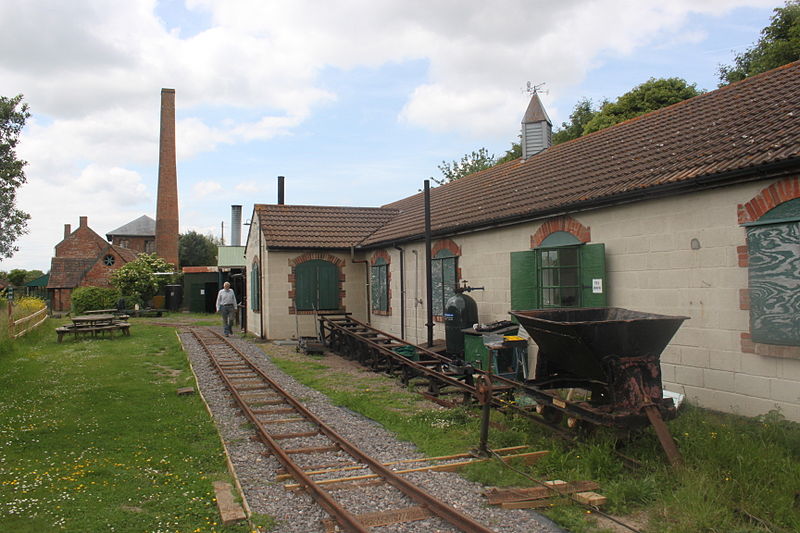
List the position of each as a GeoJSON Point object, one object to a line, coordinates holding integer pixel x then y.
{"type": "Point", "coordinates": [226, 303]}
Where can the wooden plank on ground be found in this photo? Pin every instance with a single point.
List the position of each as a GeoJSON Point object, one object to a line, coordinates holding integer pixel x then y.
{"type": "Point", "coordinates": [500, 496]}
{"type": "Point", "coordinates": [448, 467]}
{"type": "Point", "coordinates": [230, 511]}
{"type": "Point", "coordinates": [591, 498]}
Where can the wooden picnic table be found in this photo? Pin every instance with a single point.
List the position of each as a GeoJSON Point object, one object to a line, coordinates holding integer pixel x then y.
{"type": "Point", "coordinates": [101, 312]}
{"type": "Point", "coordinates": [93, 320]}
{"type": "Point", "coordinates": [94, 325]}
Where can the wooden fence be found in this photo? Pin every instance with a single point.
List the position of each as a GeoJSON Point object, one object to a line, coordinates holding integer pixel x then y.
{"type": "Point", "coordinates": [13, 324]}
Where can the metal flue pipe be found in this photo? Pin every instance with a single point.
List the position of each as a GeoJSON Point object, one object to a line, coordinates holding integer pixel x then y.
{"type": "Point", "coordinates": [428, 273]}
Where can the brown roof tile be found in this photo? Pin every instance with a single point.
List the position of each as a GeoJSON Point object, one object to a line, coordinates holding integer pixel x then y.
{"type": "Point", "coordinates": [312, 226]}
{"type": "Point", "coordinates": [67, 272]}
{"type": "Point", "coordinates": [746, 125]}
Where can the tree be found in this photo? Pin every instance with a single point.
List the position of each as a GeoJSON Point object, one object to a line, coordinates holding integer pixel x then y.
{"type": "Point", "coordinates": [13, 114]}
{"type": "Point", "coordinates": [197, 250]}
{"type": "Point", "coordinates": [138, 278]}
{"type": "Point", "coordinates": [476, 161]}
{"type": "Point", "coordinates": [779, 44]}
{"type": "Point", "coordinates": [653, 94]}
{"type": "Point", "coordinates": [515, 152]}
{"type": "Point", "coordinates": [582, 113]}
{"type": "Point", "coordinates": [17, 277]}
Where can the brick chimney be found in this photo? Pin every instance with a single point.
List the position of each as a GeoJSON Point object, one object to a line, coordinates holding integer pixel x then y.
{"type": "Point", "coordinates": [84, 222]}
{"type": "Point", "coordinates": [67, 230]}
{"type": "Point", "coordinates": [167, 203]}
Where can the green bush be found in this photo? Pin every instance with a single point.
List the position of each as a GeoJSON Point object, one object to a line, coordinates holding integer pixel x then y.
{"type": "Point", "coordinates": [86, 298]}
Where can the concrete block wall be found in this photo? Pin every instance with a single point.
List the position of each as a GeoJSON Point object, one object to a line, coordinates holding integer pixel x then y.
{"type": "Point", "coordinates": [652, 266]}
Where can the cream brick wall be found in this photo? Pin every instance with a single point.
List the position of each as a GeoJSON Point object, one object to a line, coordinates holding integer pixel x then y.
{"type": "Point", "coordinates": [283, 325]}
{"type": "Point", "coordinates": [650, 267]}
{"type": "Point", "coordinates": [250, 253]}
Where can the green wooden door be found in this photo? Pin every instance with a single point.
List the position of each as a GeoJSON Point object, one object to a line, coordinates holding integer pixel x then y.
{"type": "Point", "coordinates": [316, 286]}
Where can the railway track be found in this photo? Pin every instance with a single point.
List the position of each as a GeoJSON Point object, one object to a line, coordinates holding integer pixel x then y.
{"type": "Point", "coordinates": [297, 438]}
{"type": "Point", "coordinates": [438, 378]}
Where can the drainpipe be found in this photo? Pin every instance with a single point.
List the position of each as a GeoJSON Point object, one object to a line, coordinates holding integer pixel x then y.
{"type": "Point", "coordinates": [366, 270]}
{"type": "Point", "coordinates": [428, 273]}
{"type": "Point", "coordinates": [402, 292]}
{"type": "Point", "coordinates": [261, 285]}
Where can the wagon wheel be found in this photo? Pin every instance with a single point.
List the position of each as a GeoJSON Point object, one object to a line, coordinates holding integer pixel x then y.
{"type": "Point", "coordinates": [550, 414]}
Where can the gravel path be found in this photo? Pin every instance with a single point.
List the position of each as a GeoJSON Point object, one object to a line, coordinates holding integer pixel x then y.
{"type": "Point", "coordinates": [295, 511]}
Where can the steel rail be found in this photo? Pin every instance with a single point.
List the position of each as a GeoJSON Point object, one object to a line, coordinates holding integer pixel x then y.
{"type": "Point", "coordinates": [346, 519]}
{"type": "Point", "coordinates": [327, 321]}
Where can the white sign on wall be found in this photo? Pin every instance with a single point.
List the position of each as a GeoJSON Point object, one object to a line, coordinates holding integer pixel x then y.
{"type": "Point", "coordinates": [597, 286]}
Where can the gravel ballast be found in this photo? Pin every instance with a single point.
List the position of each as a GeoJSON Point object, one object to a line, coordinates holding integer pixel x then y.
{"type": "Point", "coordinates": [295, 511]}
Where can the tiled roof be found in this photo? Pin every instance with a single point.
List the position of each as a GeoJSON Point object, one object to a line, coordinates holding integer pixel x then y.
{"type": "Point", "coordinates": [142, 226]}
{"type": "Point", "coordinates": [126, 254]}
{"type": "Point", "coordinates": [307, 226]}
{"type": "Point", "coordinates": [67, 272]}
{"type": "Point", "coordinates": [738, 129]}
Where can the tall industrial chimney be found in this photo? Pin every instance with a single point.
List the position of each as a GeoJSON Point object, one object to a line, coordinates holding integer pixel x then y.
{"type": "Point", "coordinates": [236, 225]}
{"type": "Point", "coordinates": [167, 203]}
{"type": "Point", "coordinates": [281, 180]}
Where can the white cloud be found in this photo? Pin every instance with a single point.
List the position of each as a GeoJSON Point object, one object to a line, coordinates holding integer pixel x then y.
{"type": "Point", "coordinates": [206, 188]}
{"type": "Point", "coordinates": [91, 70]}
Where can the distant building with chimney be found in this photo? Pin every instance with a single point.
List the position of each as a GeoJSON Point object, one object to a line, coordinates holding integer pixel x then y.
{"type": "Point", "coordinates": [84, 258]}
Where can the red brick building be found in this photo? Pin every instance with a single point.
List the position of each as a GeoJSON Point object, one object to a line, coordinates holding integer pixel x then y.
{"type": "Point", "coordinates": [83, 258]}
{"type": "Point", "coordinates": [138, 235]}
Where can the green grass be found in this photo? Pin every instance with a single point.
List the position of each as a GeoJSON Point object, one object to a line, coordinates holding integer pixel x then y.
{"type": "Point", "coordinates": [741, 474]}
{"type": "Point", "coordinates": [93, 436]}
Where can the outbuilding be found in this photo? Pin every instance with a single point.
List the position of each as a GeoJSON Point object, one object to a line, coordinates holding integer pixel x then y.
{"type": "Point", "coordinates": [690, 210]}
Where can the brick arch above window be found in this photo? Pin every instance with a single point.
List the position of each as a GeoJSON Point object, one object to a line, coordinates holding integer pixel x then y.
{"type": "Point", "coordinates": [445, 244]}
{"type": "Point", "coordinates": [769, 197]}
{"type": "Point", "coordinates": [310, 256]}
{"type": "Point", "coordinates": [564, 223]}
{"type": "Point", "coordinates": [381, 254]}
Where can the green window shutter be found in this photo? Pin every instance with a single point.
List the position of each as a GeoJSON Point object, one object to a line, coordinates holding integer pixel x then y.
{"type": "Point", "coordinates": [593, 267]}
{"type": "Point", "coordinates": [524, 280]}
{"type": "Point", "coordinates": [328, 285]}
{"type": "Point", "coordinates": [255, 286]}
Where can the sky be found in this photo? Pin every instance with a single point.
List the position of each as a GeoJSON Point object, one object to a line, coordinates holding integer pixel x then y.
{"type": "Point", "coordinates": [356, 102]}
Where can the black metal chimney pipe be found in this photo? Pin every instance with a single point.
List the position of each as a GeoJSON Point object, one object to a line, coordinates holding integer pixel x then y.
{"type": "Point", "coordinates": [280, 189]}
{"type": "Point", "coordinates": [428, 273]}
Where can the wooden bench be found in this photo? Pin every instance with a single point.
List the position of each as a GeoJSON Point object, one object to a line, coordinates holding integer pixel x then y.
{"type": "Point", "coordinates": [123, 327]}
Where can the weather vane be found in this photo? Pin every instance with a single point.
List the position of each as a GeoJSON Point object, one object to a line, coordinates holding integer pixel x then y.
{"type": "Point", "coordinates": [534, 89]}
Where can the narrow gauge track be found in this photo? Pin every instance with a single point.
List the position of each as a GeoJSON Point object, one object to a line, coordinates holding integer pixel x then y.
{"type": "Point", "coordinates": [375, 349]}
{"type": "Point", "coordinates": [262, 399]}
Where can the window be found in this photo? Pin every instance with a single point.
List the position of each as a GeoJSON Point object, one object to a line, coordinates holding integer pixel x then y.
{"type": "Point", "coordinates": [572, 275]}
{"type": "Point", "coordinates": [124, 243]}
{"type": "Point", "coordinates": [773, 245]}
{"type": "Point", "coordinates": [149, 247]}
{"type": "Point", "coordinates": [255, 286]}
{"type": "Point", "coordinates": [444, 277]}
{"type": "Point", "coordinates": [317, 286]}
{"type": "Point", "coordinates": [560, 283]}
{"type": "Point", "coordinates": [109, 260]}
{"type": "Point", "coordinates": [379, 282]}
